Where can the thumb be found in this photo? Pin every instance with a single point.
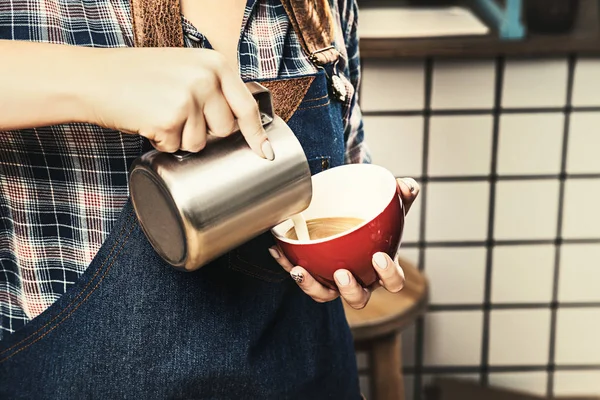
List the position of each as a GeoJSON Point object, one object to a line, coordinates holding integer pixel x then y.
{"type": "Point", "coordinates": [253, 131]}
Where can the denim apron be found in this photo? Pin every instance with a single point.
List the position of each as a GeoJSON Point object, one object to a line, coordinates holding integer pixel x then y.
{"type": "Point", "coordinates": [239, 328]}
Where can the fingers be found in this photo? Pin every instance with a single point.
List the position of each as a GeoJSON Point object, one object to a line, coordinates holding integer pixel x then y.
{"type": "Point", "coordinates": [281, 259]}
{"type": "Point", "coordinates": [218, 116]}
{"type": "Point", "coordinates": [390, 273]}
{"type": "Point", "coordinates": [229, 106]}
{"type": "Point", "coordinates": [350, 290]}
{"type": "Point", "coordinates": [166, 142]}
{"type": "Point", "coordinates": [193, 137]}
{"type": "Point", "coordinates": [245, 109]}
{"type": "Point", "coordinates": [408, 189]}
{"type": "Point", "coordinates": [311, 287]}
{"type": "Point", "coordinates": [355, 295]}
{"type": "Point", "coordinates": [391, 277]}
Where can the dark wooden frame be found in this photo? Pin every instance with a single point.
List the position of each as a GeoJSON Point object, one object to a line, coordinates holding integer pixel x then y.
{"type": "Point", "coordinates": [584, 39]}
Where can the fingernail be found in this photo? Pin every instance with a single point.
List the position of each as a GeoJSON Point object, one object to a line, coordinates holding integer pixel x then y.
{"type": "Point", "coordinates": [411, 183]}
{"type": "Point", "coordinates": [274, 253]}
{"type": "Point", "coordinates": [342, 277]}
{"type": "Point", "coordinates": [267, 150]}
{"type": "Point", "coordinates": [297, 276]}
{"type": "Point", "coordinates": [380, 260]}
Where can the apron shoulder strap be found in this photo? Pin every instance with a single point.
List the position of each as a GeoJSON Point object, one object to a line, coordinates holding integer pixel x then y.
{"type": "Point", "coordinates": [157, 23]}
{"type": "Point", "coordinates": [313, 22]}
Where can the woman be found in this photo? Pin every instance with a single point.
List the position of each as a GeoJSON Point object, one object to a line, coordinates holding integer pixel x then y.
{"type": "Point", "coordinates": [87, 307]}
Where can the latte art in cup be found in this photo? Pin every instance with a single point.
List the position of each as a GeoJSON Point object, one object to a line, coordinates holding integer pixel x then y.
{"type": "Point", "coordinates": [320, 228]}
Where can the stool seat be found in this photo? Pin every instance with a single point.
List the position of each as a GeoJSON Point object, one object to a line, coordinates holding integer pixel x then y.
{"type": "Point", "coordinates": [376, 330]}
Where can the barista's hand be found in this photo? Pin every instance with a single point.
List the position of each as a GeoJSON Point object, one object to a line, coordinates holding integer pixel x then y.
{"type": "Point", "coordinates": [391, 275]}
{"type": "Point", "coordinates": [174, 97]}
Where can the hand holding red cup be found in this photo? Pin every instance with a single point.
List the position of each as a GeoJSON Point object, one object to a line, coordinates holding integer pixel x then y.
{"type": "Point", "coordinates": [360, 258]}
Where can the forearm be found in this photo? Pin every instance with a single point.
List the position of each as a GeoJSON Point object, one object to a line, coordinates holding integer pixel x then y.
{"type": "Point", "coordinates": [43, 84]}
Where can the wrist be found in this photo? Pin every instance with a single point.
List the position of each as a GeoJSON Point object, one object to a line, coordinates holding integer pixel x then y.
{"type": "Point", "coordinates": [77, 95]}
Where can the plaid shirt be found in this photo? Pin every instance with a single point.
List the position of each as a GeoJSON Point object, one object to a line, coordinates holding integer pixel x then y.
{"type": "Point", "coordinates": [62, 187]}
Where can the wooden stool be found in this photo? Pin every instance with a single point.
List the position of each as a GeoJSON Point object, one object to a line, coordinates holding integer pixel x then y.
{"type": "Point", "coordinates": [376, 330]}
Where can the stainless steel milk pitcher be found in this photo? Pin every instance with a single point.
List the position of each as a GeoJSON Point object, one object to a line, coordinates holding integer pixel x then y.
{"type": "Point", "coordinates": [195, 207]}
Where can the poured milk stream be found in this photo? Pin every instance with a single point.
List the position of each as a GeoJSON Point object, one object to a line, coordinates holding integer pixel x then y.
{"type": "Point", "coordinates": [300, 227]}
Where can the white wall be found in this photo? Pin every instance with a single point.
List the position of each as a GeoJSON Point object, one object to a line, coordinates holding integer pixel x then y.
{"type": "Point", "coordinates": [519, 244]}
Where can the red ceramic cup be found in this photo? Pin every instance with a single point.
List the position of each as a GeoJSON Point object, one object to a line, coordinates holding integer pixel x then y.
{"type": "Point", "coordinates": [364, 191]}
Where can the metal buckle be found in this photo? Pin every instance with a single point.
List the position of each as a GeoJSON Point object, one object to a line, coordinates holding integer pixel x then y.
{"type": "Point", "coordinates": [313, 55]}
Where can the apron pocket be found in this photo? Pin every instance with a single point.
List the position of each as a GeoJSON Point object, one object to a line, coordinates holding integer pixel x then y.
{"type": "Point", "coordinates": [254, 260]}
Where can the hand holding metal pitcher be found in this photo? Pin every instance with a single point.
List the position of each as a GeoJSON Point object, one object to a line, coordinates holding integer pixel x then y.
{"type": "Point", "coordinates": [195, 207]}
